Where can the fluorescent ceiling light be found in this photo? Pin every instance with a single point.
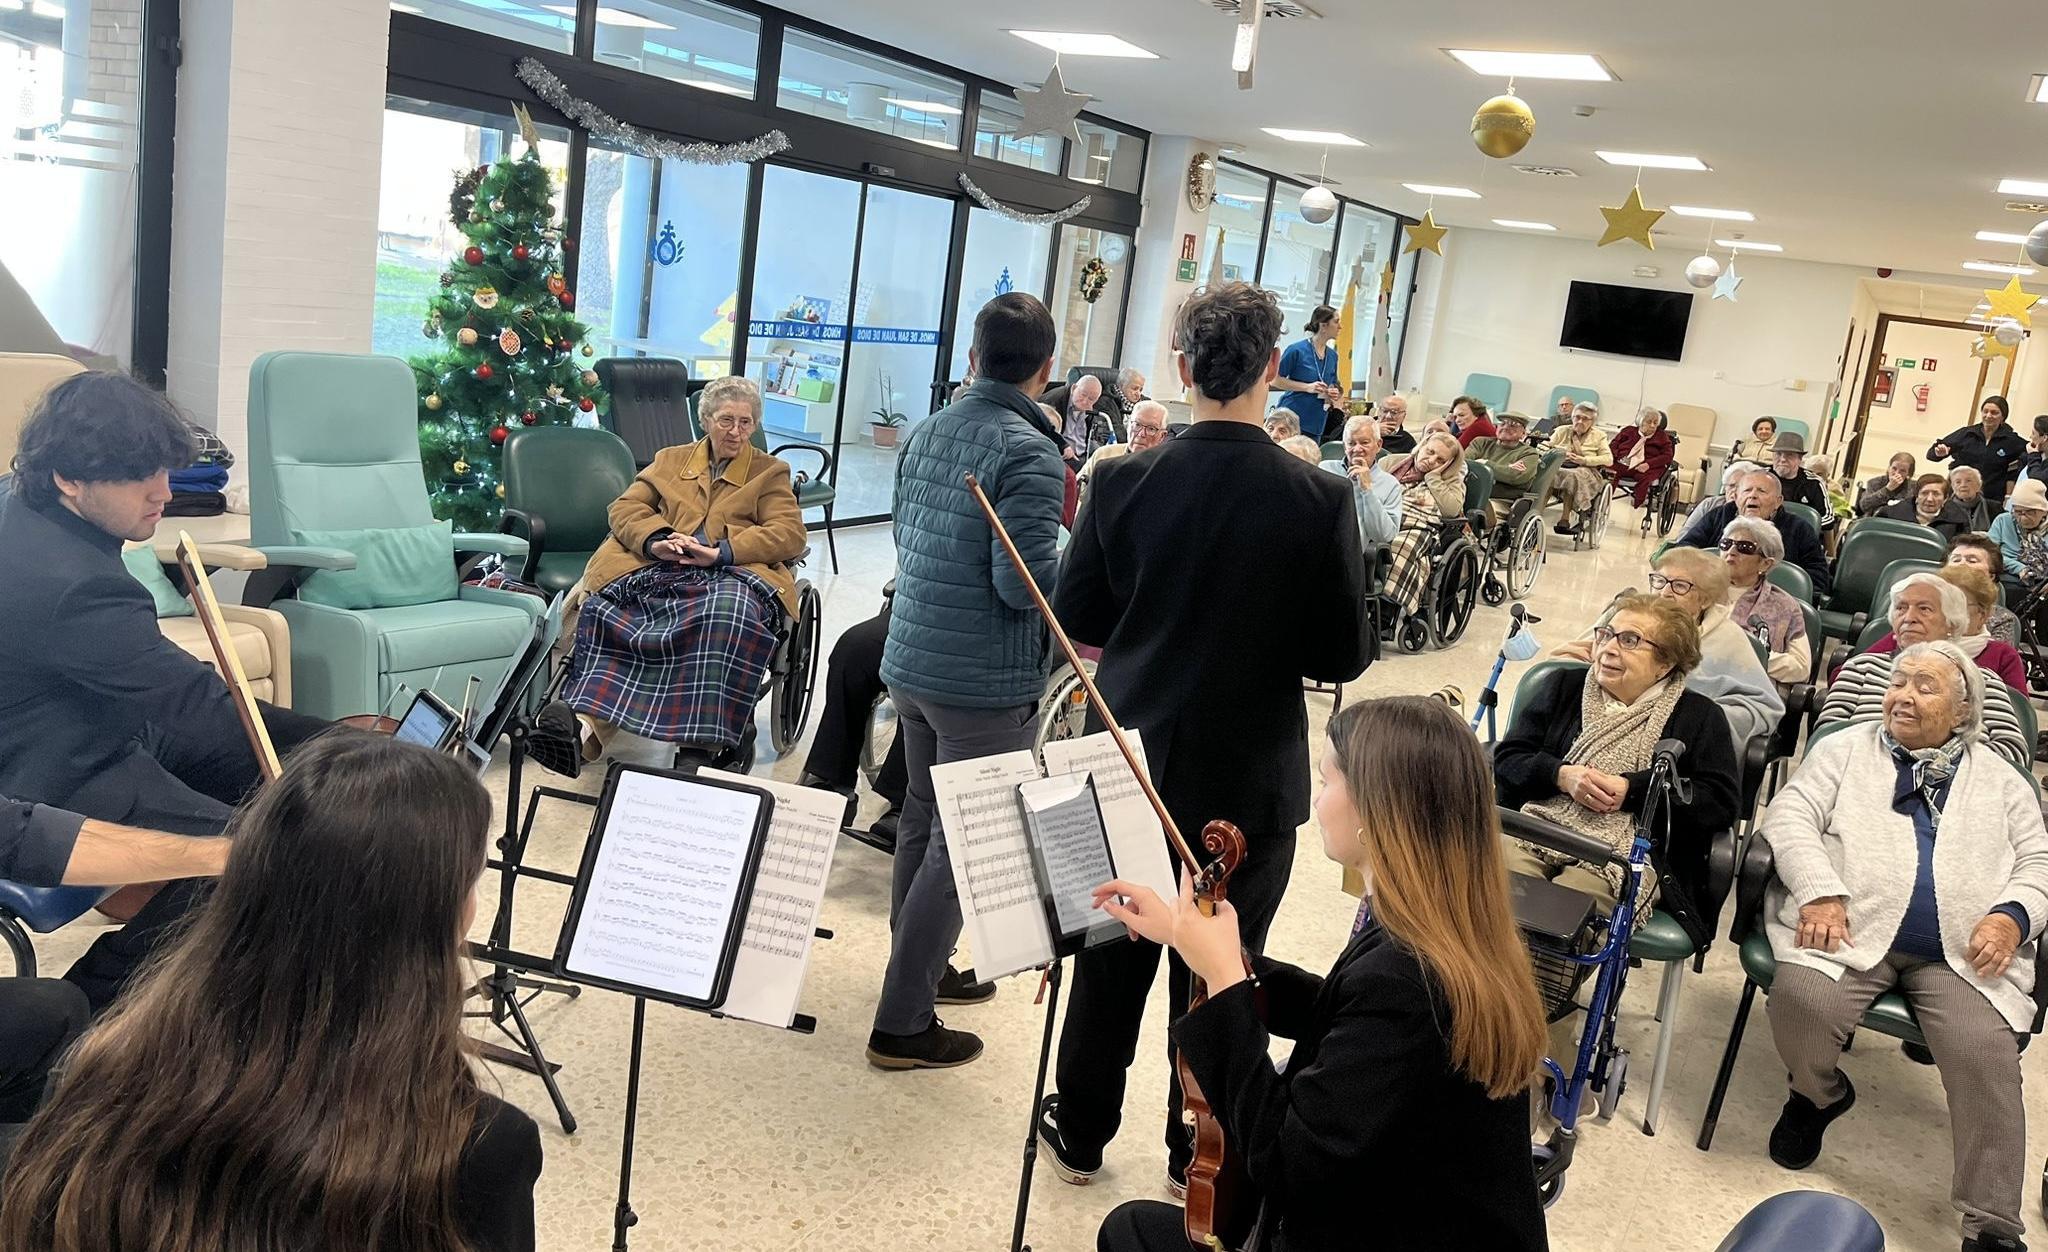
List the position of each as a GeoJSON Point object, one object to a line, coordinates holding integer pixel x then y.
{"type": "Point", "coordinates": [2037, 89]}
{"type": "Point", "coordinates": [1328, 138]}
{"type": "Point", "coordinates": [1999, 236]}
{"type": "Point", "coordinates": [1431, 189]}
{"type": "Point", "coordinates": [1081, 44]}
{"type": "Point", "coordinates": [1726, 215]}
{"type": "Point", "coordinates": [612, 17]}
{"type": "Point", "coordinates": [1578, 66]}
{"type": "Point", "coordinates": [2022, 187]}
{"type": "Point", "coordinates": [722, 88]}
{"type": "Point", "coordinates": [950, 146]}
{"type": "Point", "coordinates": [1994, 267]}
{"type": "Point", "coordinates": [1745, 245]}
{"type": "Point", "coordinates": [922, 106]}
{"type": "Point", "coordinates": [1512, 224]}
{"type": "Point", "coordinates": [1653, 160]}
{"type": "Point", "coordinates": [396, 8]}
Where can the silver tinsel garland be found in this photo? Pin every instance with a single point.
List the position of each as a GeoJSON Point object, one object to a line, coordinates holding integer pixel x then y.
{"type": "Point", "coordinates": [613, 131]}
{"type": "Point", "coordinates": [1002, 210]}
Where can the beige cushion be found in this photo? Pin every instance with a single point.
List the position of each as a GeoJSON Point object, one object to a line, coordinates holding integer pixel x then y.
{"type": "Point", "coordinates": [251, 646]}
{"type": "Point", "coordinates": [24, 377]}
{"type": "Point", "coordinates": [1694, 426]}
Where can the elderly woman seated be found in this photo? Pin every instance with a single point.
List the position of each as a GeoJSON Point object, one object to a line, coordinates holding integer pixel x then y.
{"type": "Point", "coordinates": [1767, 612]}
{"type": "Point", "coordinates": [1924, 609]}
{"type": "Point", "coordinates": [1432, 482]}
{"type": "Point", "coordinates": [684, 599]}
{"type": "Point", "coordinates": [1978, 551]}
{"type": "Point", "coordinates": [1579, 752]}
{"type": "Point", "coordinates": [1282, 425]}
{"type": "Point", "coordinates": [1929, 505]}
{"type": "Point", "coordinates": [1866, 900]}
{"type": "Point", "coordinates": [1582, 475]}
{"type": "Point", "coordinates": [1728, 671]}
{"type": "Point", "coordinates": [1641, 452]}
{"type": "Point", "coordinates": [1993, 656]}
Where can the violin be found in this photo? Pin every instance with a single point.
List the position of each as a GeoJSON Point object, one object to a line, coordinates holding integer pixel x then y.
{"type": "Point", "coordinates": [226, 659]}
{"type": "Point", "coordinates": [1222, 1207]}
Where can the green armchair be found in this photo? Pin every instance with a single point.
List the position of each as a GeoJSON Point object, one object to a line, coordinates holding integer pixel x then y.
{"type": "Point", "coordinates": [560, 483]}
{"type": "Point", "coordinates": [334, 447]}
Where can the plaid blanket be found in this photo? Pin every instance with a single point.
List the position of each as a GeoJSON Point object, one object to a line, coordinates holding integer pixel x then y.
{"type": "Point", "coordinates": [675, 653]}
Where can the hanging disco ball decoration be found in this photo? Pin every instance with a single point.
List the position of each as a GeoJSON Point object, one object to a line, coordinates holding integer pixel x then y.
{"type": "Point", "coordinates": [2037, 243]}
{"type": "Point", "coordinates": [1318, 205]}
{"type": "Point", "coordinates": [1702, 270]}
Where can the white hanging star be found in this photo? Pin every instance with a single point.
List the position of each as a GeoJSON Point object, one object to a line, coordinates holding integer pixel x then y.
{"type": "Point", "coordinates": [1725, 285]}
{"type": "Point", "coordinates": [1051, 109]}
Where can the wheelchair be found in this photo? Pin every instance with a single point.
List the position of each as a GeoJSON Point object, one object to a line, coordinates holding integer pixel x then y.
{"type": "Point", "coordinates": [1515, 545]}
{"type": "Point", "coordinates": [1661, 506]}
{"type": "Point", "coordinates": [1455, 568]}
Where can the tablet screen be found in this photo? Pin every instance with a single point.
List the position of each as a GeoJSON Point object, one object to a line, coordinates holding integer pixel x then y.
{"type": "Point", "coordinates": [1071, 849]}
{"type": "Point", "coordinates": [425, 723]}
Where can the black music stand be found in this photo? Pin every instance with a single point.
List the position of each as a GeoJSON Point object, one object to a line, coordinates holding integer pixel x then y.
{"type": "Point", "coordinates": [1052, 1004]}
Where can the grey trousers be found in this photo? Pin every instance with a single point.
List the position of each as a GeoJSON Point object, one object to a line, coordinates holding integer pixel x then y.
{"type": "Point", "coordinates": [1974, 1048]}
{"type": "Point", "coordinates": [924, 909]}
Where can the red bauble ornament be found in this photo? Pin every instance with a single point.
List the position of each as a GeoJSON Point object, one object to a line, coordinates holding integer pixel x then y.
{"type": "Point", "coordinates": [499, 434]}
{"type": "Point", "coordinates": [568, 299]}
{"type": "Point", "coordinates": [519, 250]}
{"type": "Point", "coordinates": [529, 418]}
{"type": "Point", "coordinates": [568, 245]}
{"type": "Point", "coordinates": [473, 255]}
{"type": "Point", "coordinates": [586, 404]}
{"type": "Point", "coordinates": [484, 372]}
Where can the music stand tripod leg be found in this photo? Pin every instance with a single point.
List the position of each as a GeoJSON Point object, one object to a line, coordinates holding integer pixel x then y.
{"type": "Point", "coordinates": [623, 1217]}
{"type": "Point", "coordinates": [1052, 1004]}
{"type": "Point", "coordinates": [530, 1044]}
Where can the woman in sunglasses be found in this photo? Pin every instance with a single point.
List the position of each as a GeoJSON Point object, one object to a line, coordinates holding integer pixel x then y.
{"type": "Point", "coordinates": [1760, 608]}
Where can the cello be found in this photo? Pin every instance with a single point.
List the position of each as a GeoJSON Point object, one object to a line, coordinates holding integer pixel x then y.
{"type": "Point", "coordinates": [1222, 1206]}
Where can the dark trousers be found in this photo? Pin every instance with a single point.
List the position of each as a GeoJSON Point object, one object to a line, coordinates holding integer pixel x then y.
{"type": "Point", "coordinates": [853, 682]}
{"type": "Point", "coordinates": [1141, 1225]}
{"type": "Point", "coordinates": [39, 1017]}
{"type": "Point", "coordinates": [1106, 1008]}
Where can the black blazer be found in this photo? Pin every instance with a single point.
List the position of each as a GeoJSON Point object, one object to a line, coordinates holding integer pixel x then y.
{"type": "Point", "coordinates": [494, 1180]}
{"type": "Point", "coordinates": [1252, 558]}
{"type": "Point", "coordinates": [1369, 1139]}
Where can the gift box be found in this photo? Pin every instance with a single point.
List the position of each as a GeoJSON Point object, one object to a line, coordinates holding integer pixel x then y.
{"type": "Point", "coordinates": [817, 390]}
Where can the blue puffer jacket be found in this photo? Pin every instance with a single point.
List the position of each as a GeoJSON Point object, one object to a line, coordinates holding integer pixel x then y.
{"type": "Point", "coordinates": [962, 628]}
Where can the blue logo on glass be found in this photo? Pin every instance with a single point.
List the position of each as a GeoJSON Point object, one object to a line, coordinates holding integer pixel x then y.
{"type": "Point", "coordinates": [1003, 285]}
{"type": "Point", "coordinates": [666, 251]}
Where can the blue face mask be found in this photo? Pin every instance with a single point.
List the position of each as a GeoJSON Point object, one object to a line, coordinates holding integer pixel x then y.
{"type": "Point", "coordinates": [1523, 646]}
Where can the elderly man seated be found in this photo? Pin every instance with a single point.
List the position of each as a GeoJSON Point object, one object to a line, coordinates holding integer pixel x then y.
{"type": "Point", "coordinates": [675, 638]}
{"type": "Point", "coordinates": [1376, 492]}
{"type": "Point", "coordinates": [1761, 495]}
{"type": "Point", "coordinates": [1511, 457]}
{"type": "Point", "coordinates": [1148, 430]}
{"type": "Point", "coordinates": [1089, 417]}
{"type": "Point", "coordinates": [1582, 476]}
{"type": "Point", "coordinates": [1766, 611]}
{"type": "Point", "coordinates": [1924, 609]}
{"type": "Point", "coordinates": [1393, 414]}
{"type": "Point", "coordinates": [1910, 857]}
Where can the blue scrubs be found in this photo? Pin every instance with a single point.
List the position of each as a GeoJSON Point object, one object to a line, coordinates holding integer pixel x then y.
{"type": "Point", "coordinates": [1299, 364]}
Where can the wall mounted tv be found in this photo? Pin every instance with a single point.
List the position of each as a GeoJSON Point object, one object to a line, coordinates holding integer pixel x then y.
{"type": "Point", "coordinates": [1626, 321]}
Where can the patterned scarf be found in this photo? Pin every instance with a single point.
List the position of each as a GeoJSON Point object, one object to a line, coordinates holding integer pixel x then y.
{"type": "Point", "coordinates": [2034, 553]}
{"type": "Point", "coordinates": [1771, 608]}
{"type": "Point", "coordinates": [1616, 738]}
{"type": "Point", "coordinates": [1928, 769]}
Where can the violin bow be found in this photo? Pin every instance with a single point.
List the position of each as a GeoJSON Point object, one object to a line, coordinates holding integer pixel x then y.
{"type": "Point", "coordinates": [226, 658]}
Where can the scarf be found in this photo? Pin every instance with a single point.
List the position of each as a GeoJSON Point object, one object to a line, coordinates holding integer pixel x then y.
{"type": "Point", "coordinates": [1925, 771]}
{"type": "Point", "coordinates": [1768, 612]}
{"type": "Point", "coordinates": [1972, 645]}
{"type": "Point", "coordinates": [1406, 471]}
{"type": "Point", "coordinates": [1619, 739]}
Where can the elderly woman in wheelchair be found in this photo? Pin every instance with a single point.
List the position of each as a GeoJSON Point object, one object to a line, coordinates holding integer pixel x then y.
{"type": "Point", "coordinates": [1432, 482]}
{"type": "Point", "coordinates": [1909, 855]}
{"type": "Point", "coordinates": [685, 598]}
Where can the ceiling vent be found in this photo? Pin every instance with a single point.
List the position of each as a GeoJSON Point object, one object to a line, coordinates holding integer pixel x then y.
{"type": "Point", "coordinates": [1274, 8]}
{"type": "Point", "coordinates": [2033, 208]}
{"type": "Point", "coordinates": [1548, 171]}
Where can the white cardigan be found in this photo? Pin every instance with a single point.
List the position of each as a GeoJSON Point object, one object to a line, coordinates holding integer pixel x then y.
{"type": "Point", "coordinates": [1834, 833]}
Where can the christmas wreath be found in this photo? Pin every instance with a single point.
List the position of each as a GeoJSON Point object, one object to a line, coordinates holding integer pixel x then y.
{"type": "Point", "coordinates": [1094, 277]}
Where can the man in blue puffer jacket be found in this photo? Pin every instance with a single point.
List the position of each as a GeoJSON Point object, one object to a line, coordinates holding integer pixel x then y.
{"type": "Point", "coordinates": [967, 653]}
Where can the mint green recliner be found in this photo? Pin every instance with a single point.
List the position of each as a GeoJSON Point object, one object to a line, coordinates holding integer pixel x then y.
{"type": "Point", "coordinates": [334, 446]}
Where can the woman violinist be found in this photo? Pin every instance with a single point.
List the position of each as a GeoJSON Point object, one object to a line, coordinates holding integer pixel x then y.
{"type": "Point", "coordinates": [1401, 1121]}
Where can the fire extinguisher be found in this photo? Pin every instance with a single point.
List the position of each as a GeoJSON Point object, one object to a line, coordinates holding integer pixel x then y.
{"type": "Point", "coordinates": [1920, 397]}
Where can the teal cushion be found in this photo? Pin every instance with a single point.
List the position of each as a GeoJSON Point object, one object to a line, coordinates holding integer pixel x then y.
{"type": "Point", "coordinates": [559, 571]}
{"type": "Point", "coordinates": [1890, 1014]}
{"type": "Point", "coordinates": [394, 567]}
{"type": "Point", "coordinates": [452, 632]}
{"type": "Point", "coordinates": [148, 571]}
{"type": "Point", "coordinates": [1658, 938]}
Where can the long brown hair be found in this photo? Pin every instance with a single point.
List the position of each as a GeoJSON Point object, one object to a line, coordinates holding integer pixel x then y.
{"type": "Point", "coordinates": [291, 1073]}
{"type": "Point", "coordinates": [1439, 883]}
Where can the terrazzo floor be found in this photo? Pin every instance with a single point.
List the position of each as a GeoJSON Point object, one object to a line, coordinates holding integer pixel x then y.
{"type": "Point", "coordinates": [758, 1140]}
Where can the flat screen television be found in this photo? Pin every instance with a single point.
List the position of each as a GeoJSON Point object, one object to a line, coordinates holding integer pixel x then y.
{"type": "Point", "coordinates": [1626, 321]}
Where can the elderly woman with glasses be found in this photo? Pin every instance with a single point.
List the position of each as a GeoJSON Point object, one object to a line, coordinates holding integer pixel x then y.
{"type": "Point", "coordinates": [1910, 857]}
{"type": "Point", "coordinates": [1924, 609]}
{"type": "Point", "coordinates": [1994, 656]}
{"type": "Point", "coordinates": [1432, 480]}
{"type": "Point", "coordinates": [684, 597]}
{"type": "Point", "coordinates": [1582, 475]}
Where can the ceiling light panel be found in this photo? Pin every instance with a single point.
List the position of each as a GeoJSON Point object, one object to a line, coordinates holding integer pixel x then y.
{"type": "Point", "coordinates": [1327, 138]}
{"type": "Point", "coordinates": [1581, 67]}
{"type": "Point", "coordinates": [1747, 245]}
{"type": "Point", "coordinates": [1653, 160]}
{"type": "Point", "coordinates": [1431, 189]}
{"type": "Point", "coordinates": [1082, 44]}
{"type": "Point", "coordinates": [1512, 224]}
{"type": "Point", "coordinates": [2022, 187]}
{"type": "Point", "coordinates": [1725, 215]}
{"type": "Point", "coordinates": [1998, 267]}
{"type": "Point", "coordinates": [1999, 236]}
{"type": "Point", "coordinates": [2037, 89]}
{"type": "Point", "coordinates": [608, 16]}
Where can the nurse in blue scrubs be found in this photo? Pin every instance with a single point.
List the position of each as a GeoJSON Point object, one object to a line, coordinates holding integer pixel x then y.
{"type": "Point", "coordinates": [1308, 374]}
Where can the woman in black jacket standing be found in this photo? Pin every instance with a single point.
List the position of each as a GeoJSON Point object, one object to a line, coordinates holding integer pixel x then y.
{"type": "Point", "coordinates": [1401, 1121]}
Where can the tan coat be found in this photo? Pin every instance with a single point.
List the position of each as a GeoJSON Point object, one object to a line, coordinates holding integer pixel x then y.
{"type": "Point", "coordinates": [751, 505]}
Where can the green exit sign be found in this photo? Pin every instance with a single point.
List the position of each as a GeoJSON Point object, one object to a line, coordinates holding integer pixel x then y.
{"type": "Point", "coordinates": [1909, 362]}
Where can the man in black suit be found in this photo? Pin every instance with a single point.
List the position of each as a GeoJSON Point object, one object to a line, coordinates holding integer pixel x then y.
{"type": "Point", "coordinates": [1761, 494]}
{"type": "Point", "coordinates": [1186, 564]}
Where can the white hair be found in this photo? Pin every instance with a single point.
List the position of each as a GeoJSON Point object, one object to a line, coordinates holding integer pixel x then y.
{"type": "Point", "coordinates": [723, 390]}
{"type": "Point", "coordinates": [1759, 532]}
{"type": "Point", "coordinates": [1969, 681]}
{"type": "Point", "coordinates": [1359, 421]}
{"type": "Point", "coordinates": [1146, 406]}
{"type": "Point", "coordinates": [1127, 375]}
{"type": "Point", "coordinates": [1954, 605]}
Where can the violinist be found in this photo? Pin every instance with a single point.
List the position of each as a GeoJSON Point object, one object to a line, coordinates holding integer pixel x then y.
{"type": "Point", "coordinates": [1400, 1122]}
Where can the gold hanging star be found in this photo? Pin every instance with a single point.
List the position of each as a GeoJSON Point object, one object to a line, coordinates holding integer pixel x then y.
{"type": "Point", "coordinates": [1426, 234]}
{"type": "Point", "coordinates": [1630, 220]}
{"type": "Point", "coordinates": [2011, 301]}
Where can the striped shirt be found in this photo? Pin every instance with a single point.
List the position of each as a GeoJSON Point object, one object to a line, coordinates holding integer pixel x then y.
{"type": "Point", "coordinates": [1857, 695]}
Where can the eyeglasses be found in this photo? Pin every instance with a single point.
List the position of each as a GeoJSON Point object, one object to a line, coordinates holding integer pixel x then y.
{"type": "Point", "coordinates": [1678, 586]}
{"type": "Point", "coordinates": [1148, 428]}
{"type": "Point", "coordinates": [1741, 547]}
{"type": "Point", "coordinates": [1629, 640]}
{"type": "Point", "coordinates": [732, 423]}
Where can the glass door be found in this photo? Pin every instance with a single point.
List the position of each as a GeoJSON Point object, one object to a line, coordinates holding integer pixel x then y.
{"type": "Point", "coordinates": [802, 303]}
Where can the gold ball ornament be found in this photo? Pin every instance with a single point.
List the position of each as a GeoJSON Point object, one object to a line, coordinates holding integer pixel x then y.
{"type": "Point", "coordinates": [486, 297]}
{"type": "Point", "coordinates": [588, 350]}
{"type": "Point", "coordinates": [501, 491]}
{"type": "Point", "coordinates": [462, 467]}
{"type": "Point", "coordinates": [1503, 126]}
{"type": "Point", "coordinates": [433, 403]}
{"type": "Point", "coordinates": [508, 341]}
{"type": "Point", "coordinates": [466, 336]}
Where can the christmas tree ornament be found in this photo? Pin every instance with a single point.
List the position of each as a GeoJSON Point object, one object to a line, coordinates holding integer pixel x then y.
{"type": "Point", "coordinates": [557, 284]}
{"type": "Point", "coordinates": [1702, 271]}
{"type": "Point", "coordinates": [519, 251]}
{"type": "Point", "coordinates": [2008, 332]}
{"type": "Point", "coordinates": [1630, 220]}
{"type": "Point", "coordinates": [461, 467]}
{"type": "Point", "coordinates": [590, 378]}
{"type": "Point", "coordinates": [1051, 109]}
{"type": "Point", "coordinates": [485, 371]}
{"type": "Point", "coordinates": [433, 402]}
{"type": "Point", "coordinates": [588, 350]}
{"type": "Point", "coordinates": [1426, 234]}
{"type": "Point", "coordinates": [554, 392]}
{"type": "Point", "coordinates": [473, 255]}
{"type": "Point", "coordinates": [568, 299]}
{"type": "Point", "coordinates": [486, 298]}
{"type": "Point", "coordinates": [617, 134]}
{"type": "Point", "coordinates": [568, 245]}
{"type": "Point", "coordinates": [508, 341]}
{"type": "Point", "coordinates": [1724, 287]}
{"type": "Point", "coordinates": [499, 434]}
{"type": "Point", "coordinates": [529, 418]}
{"type": "Point", "coordinates": [2037, 243]}
{"type": "Point", "coordinates": [501, 491]}
{"type": "Point", "coordinates": [1503, 126]}
{"type": "Point", "coordinates": [431, 328]}
{"type": "Point", "coordinates": [586, 404]}
{"type": "Point", "coordinates": [1318, 205]}
{"type": "Point", "coordinates": [447, 279]}
{"type": "Point", "coordinates": [466, 336]}
{"type": "Point", "coordinates": [527, 314]}
{"type": "Point", "coordinates": [2013, 301]}
{"type": "Point", "coordinates": [497, 205]}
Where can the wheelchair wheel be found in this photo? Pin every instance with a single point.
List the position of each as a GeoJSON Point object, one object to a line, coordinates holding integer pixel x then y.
{"type": "Point", "coordinates": [1063, 710]}
{"type": "Point", "coordinates": [1525, 556]}
{"type": "Point", "coordinates": [1452, 592]}
{"type": "Point", "coordinates": [1493, 591]}
{"type": "Point", "coordinates": [791, 708]}
{"type": "Point", "coordinates": [1412, 634]}
{"type": "Point", "coordinates": [1594, 528]}
{"type": "Point", "coordinates": [880, 737]}
{"type": "Point", "coordinates": [1667, 506]}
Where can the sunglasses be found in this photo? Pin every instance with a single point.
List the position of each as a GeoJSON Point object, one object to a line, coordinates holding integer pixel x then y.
{"type": "Point", "coordinates": [1741, 547]}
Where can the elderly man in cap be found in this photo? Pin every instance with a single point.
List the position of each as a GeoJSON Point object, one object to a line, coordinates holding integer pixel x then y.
{"type": "Point", "coordinates": [1511, 457]}
{"type": "Point", "coordinates": [1800, 485]}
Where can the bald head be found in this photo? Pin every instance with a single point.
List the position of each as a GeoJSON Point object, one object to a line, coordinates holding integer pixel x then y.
{"type": "Point", "coordinates": [1086, 391]}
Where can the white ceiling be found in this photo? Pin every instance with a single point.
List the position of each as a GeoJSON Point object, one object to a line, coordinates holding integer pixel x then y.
{"type": "Point", "coordinates": [1867, 132]}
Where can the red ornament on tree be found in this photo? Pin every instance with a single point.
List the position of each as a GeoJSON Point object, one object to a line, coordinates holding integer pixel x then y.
{"type": "Point", "coordinates": [586, 404]}
{"type": "Point", "coordinates": [499, 434]}
{"type": "Point", "coordinates": [568, 299]}
{"type": "Point", "coordinates": [473, 255]}
{"type": "Point", "coordinates": [529, 418]}
{"type": "Point", "coordinates": [485, 371]}
{"type": "Point", "coordinates": [519, 250]}
{"type": "Point", "coordinates": [568, 245]}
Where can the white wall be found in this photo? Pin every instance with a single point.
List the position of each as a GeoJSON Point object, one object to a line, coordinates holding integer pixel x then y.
{"type": "Point", "coordinates": [1950, 388]}
{"type": "Point", "coordinates": [1501, 301]}
{"type": "Point", "coordinates": [1156, 293]}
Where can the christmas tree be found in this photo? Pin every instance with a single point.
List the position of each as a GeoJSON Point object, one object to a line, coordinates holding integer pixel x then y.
{"type": "Point", "coordinates": [512, 352]}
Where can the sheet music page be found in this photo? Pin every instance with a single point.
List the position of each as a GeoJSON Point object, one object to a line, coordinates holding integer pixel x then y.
{"type": "Point", "coordinates": [991, 856]}
{"type": "Point", "coordinates": [1136, 839]}
{"type": "Point", "coordinates": [775, 950]}
{"type": "Point", "coordinates": [1073, 848]}
{"type": "Point", "coordinates": [665, 884]}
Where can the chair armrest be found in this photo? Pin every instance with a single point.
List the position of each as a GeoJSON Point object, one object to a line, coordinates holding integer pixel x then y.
{"type": "Point", "coordinates": [534, 530]}
{"type": "Point", "coordinates": [233, 556]}
{"type": "Point", "coordinates": [1558, 838]}
{"type": "Point", "coordinates": [1753, 879]}
{"type": "Point", "coordinates": [286, 566]}
{"type": "Point", "coordinates": [472, 541]}
{"type": "Point", "coordinates": [1723, 860]}
{"type": "Point", "coordinates": [825, 461]}
{"type": "Point", "coordinates": [1756, 761]}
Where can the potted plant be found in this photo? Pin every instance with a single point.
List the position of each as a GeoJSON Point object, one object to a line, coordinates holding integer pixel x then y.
{"type": "Point", "coordinates": [888, 420]}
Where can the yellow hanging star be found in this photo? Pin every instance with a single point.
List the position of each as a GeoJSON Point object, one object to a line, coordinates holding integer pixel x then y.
{"type": "Point", "coordinates": [1993, 348]}
{"type": "Point", "coordinates": [1630, 220]}
{"type": "Point", "coordinates": [2011, 301]}
{"type": "Point", "coordinates": [1426, 234]}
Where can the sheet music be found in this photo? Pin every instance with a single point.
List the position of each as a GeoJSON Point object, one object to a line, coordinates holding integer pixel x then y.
{"type": "Point", "coordinates": [1136, 839]}
{"type": "Point", "coordinates": [782, 920]}
{"type": "Point", "coordinates": [1072, 848]}
{"type": "Point", "coordinates": [665, 884]}
{"type": "Point", "coordinates": [991, 856]}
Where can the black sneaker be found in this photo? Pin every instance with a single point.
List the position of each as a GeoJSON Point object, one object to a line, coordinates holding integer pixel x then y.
{"type": "Point", "coordinates": [955, 989]}
{"type": "Point", "coordinates": [1993, 1243]}
{"type": "Point", "coordinates": [1795, 1140]}
{"type": "Point", "coordinates": [1918, 1053]}
{"type": "Point", "coordinates": [885, 825]}
{"type": "Point", "coordinates": [555, 741]}
{"type": "Point", "coordinates": [1071, 1164]}
{"type": "Point", "coordinates": [934, 1047]}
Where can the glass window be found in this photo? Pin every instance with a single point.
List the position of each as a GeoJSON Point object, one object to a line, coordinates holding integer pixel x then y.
{"type": "Point", "coordinates": [1235, 222]}
{"type": "Point", "coordinates": [1297, 263]}
{"type": "Point", "coordinates": [426, 146]}
{"type": "Point", "coordinates": [831, 80]}
{"type": "Point", "coordinates": [1001, 256]}
{"type": "Point", "coordinates": [1106, 157]}
{"type": "Point", "coordinates": [1087, 327]}
{"type": "Point", "coordinates": [1397, 314]}
{"type": "Point", "coordinates": [686, 41]}
{"type": "Point", "coordinates": [658, 270]}
{"type": "Point", "coordinates": [803, 295]}
{"type": "Point", "coordinates": [528, 21]}
{"type": "Point", "coordinates": [898, 297]}
{"type": "Point", "coordinates": [1365, 253]}
{"type": "Point", "coordinates": [70, 82]}
{"type": "Point", "coordinates": [995, 135]}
